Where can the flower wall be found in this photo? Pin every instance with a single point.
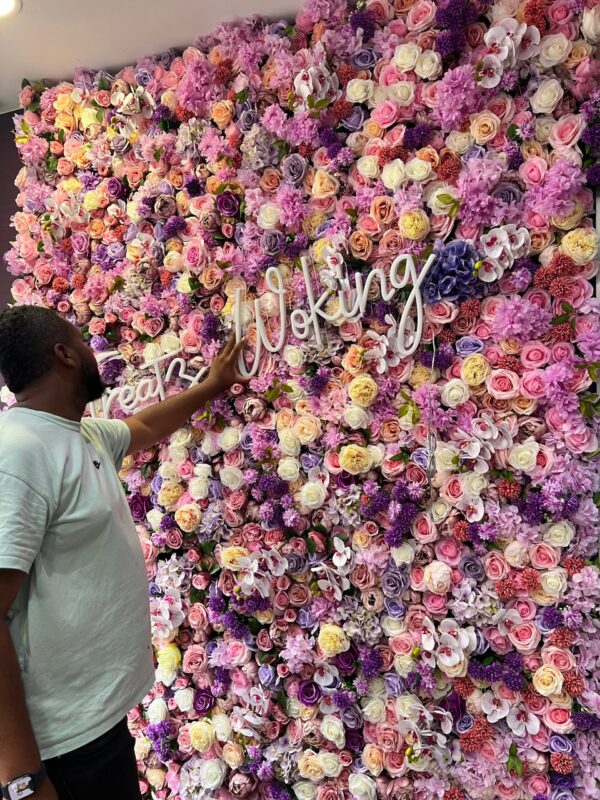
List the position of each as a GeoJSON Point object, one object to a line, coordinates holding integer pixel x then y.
{"type": "Point", "coordinates": [370, 575]}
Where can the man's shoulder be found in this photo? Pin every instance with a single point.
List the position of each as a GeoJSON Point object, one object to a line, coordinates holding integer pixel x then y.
{"type": "Point", "coordinates": [22, 445]}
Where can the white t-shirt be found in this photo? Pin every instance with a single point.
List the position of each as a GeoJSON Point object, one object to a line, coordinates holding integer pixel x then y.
{"type": "Point", "coordinates": [81, 622]}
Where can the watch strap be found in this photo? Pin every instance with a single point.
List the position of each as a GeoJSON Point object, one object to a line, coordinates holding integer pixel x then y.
{"type": "Point", "coordinates": [37, 778]}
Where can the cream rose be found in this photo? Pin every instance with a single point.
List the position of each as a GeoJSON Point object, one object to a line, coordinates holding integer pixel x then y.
{"type": "Point", "coordinates": [459, 141]}
{"type": "Point", "coordinates": [293, 356]}
{"type": "Point", "coordinates": [310, 767]}
{"type": "Point", "coordinates": [356, 417]}
{"type": "Point", "coordinates": [355, 459]}
{"type": "Point", "coordinates": [305, 790]}
{"type": "Point", "coordinates": [393, 174]}
{"type": "Point", "coordinates": [402, 93]}
{"type": "Point", "coordinates": [332, 640]}
{"type": "Point", "coordinates": [359, 90]}
{"type": "Point", "coordinates": [289, 444]}
{"type": "Point", "coordinates": [590, 24]}
{"type": "Point", "coordinates": [368, 166]}
{"type": "Point", "coordinates": [202, 735]}
{"type": "Point", "coordinates": [547, 680]}
{"type": "Point", "coordinates": [523, 456]}
{"type": "Point", "coordinates": [313, 494]}
{"type": "Point", "coordinates": [362, 390]}
{"type": "Point", "coordinates": [554, 50]}
{"type": "Point", "coordinates": [288, 469]}
{"type": "Point", "coordinates": [437, 576]}
{"type": "Point", "coordinates": [212, 773]}
{"type": "Point", "coordinates": [559, 534]}
{"type": "Point", "coordinates": [406, 56]}
{"type": "Point", "coordinates": [361, 786]}
{"type": "Point", "coordinates": [374, 710]}
{"type": "Point", "coordinates": [231, 477]}
{"type": "Point", "coordinates": [455, 393]}
{"type": "Point", "coordinates": [418, 170]}
{"type": "Point", "coordinates": [230, 557]}
{"type": "Point", "coordinates": [268, 216]}
{"type": "Point", "coordinates": [429, 65]}
{"type": "Point", "coordinates": [229, 439]}
{"type": "Point", "coordinates": [547, 96]}
{"type": "Point", "coordinates": [333, 730]}
{"type": "Point", "coordinates": [554, 582]}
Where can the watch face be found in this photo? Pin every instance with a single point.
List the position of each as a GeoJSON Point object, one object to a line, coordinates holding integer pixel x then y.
{"type": "Point", "coordinates": [22, 787]}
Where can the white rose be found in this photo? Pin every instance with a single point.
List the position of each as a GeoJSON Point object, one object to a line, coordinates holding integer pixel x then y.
{"type": "Point", "coordinates": [403, 554]}
{"type": "Point", "coordinates": [455, 393]}
{"type": "Point", "coordinates": [184, 699]}
{"type": "Point", "coordinates": [403, 664]}
{"type": "Point", "coordinates": [289, 443]}
{"type": "Point", "coordinates": [209, 446]}
{"type": "Point", "coordinates": [157, 711]}
{"type": "Point", "coordinates": [554, 581]}
{"type": "Point", "coordinates": [359, 90]}
{"type": "Point", "coordinates": [212, 773]}
{"type": "Point", "coordinates": [154, 517]}
{"type": "Point", "coordinates": [474, 484]}
{"type": "Point", "coordinates": [182, 436]}
{"type": "Point", "coordinates": [516, 554]}
{"type": "Point", "coordinates": [203, 471]}
{"type": "Point", "coordinates": [332, 729]}
{"type": "Point", "coordinates": [418, 170]}
{"type": "Point", "coordinates": [228, 439]}
{"type": "Point", "coordinates": [177, 453]}
{"type": "Point", "coordinates": [356, 417]}
{"type": "Point", "coordinates": [402, 93]}
{"type": "Point", "coordinates": [439, 509]}
{"type": "Point", "coordinates": [547, 96]}
{"type": "Point", "coordinates": [295, 391]}
{"type": "Point", "coordinates": [523, 456]}
{"type": "Point", "coordinates": [554, 50]}
{"type": "Point", "coordinates": [437, 576]}
{"type": "Point", "coordinates": [429, 65]}
{"type": "Point", "coordinates": [330, 763]}
{"type": "Point", "coordinates": [268, 216]}
{"type": "Point", "coordinates": [305, 790]}
{"type": "Point", "coordinates": [231, 477]}
{"type": "Point", "coordinates": [368, 166]}
{"type": "Point", "coordinates": [361, 786]}
{"type": "Point", "coordinates": [288, 469]}
{"type": "Point", "coordinates": [437, 195]}
{"type": "Point", "coordinates": [590, 24]}
{"type": "Point", "coordinates": [198, 488]}
{"type": "Point", "coordinates": [393, 174]}
{"type": "Point", "coordinates": [377, 453]}
{"type": "Point", "coordinates": [168, 472]}
{"type": "Point", "coordinates": [313, 494]}
{"type": "Point", "coordinates": [183, 283]}
{"type": "Point", "coordinates": [391, 626]}
{"type": "Point", "coordinates": [446, 457]}
{"type": "Point", "coordinates": [293, 356]}
{"type": "Point", "coordinates": [559, 534]}
{"type": "Point", "coordinates": [374, 710]}
{"type": "Point", "coordinates": [459, 141]}
{"type": "Point", "coordinates": [543, 128]}
{"type": "Point", "coordinates": [152, 352]}
{"type": "Point", "coordinates": [170, 342]}
{"type": "Point", "coordinates": [406, 56]}
{"type": "Point", "coordinates": [222, 727]}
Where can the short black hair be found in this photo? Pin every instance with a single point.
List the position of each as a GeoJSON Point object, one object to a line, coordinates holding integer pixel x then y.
{"type": "Point", "coordinates": [27, 338]}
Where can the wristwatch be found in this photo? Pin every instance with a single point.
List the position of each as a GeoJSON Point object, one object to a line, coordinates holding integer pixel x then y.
{"type": "Point", "coordinates": [25, 786]}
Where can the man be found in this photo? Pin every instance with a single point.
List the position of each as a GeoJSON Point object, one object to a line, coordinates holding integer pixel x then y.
{"type": "Point", "coordinates": [75, 652]}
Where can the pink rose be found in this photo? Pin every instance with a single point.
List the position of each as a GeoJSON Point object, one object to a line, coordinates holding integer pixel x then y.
{"type": "Point", "coordinates": [424, 530]}
{"type": "Point", "coordinates": [537, 784]}
{"type": "Point", "coordinates": [381, 10]}
{"type": "Point", "coordinates": [420, 16]}
{"type": "Point", "coordinates": [559, 720]}
{"type": "Point", "coordinates": [543, 556]}
{"type": "Point", "coordinates": [498, 641]}
{"type": "Point", "coordinates": [533, 171]}
{"type": "Point", "coordinates": [194, 659]}
{"type": "Point", "coordinates": [557, 657]}
{"type": "Point", "coordinates": [449, 551]}
{"type": "Point", "coordinates": [496, 566]}
{"type": "Point", "coordinates": [582, 441]}
{"type": "Point", "coordinates": [436, 605]}
{"type": "Point", "coordinates": [385, 114]}
{"type": "Point", "coordinates": [532, 384]}
{"type": "Point", "coordinates": [502, 384]}
{"type": "Point", "coordinates": [567, 131]}
{"type": "Point", "coordinates": [525, 637]}
{"type": "Point", "coordinates": [535, 355]}
{"type": "Point", "coordinates": [526, 609]}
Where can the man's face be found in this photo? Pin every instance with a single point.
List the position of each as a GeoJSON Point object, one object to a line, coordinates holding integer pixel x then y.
{"type": "Point", "coordinates": [91, 381]}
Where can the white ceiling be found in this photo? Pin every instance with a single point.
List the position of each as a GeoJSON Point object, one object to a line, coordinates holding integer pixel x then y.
{"type": "Point", "coordinates": [49, 38]}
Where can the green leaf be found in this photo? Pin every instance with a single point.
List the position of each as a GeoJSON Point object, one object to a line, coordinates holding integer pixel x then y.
{"type": "Point", "coordinates": [310, 101]}
{"type": "Point", "coordinates": [52, 163]}
{"type": "Point", "coordinates": [100, 115]}
{"type": "Point", "coordinates": [40, 247]}
{"type": "Point", "coordinates": [311, 546]}
{"type": "Point", "coordinates": [447, 198]}
{"type": "Point", "coordinates": [242, 96]}
{"type": "Point", "coordinates": [401, 457]}
{"type": "Point", "coordinates": [285, 388]}
{"type": "Point", "coordinates": [221, 188]}
{"type": "Point", "coordinates": [567, 307]}
{"type": "Point", "coordinates": [513, 133]}
{"type": "Point", "coordinates": [561, 319]}
{"type": "Point", "coordinates": [321, 104]}
{"type": "Point", "coordinates": [208, 548]}
{"type": "Point", "coordinates": [290, 31]}
{"type": "Point", "coordinates": [158, 153]}
{"type": "Point", "coordinates": [61, 135]}
{"type": "Point", "coordinates": [33, 107]}
{"type": "Point", "coordinates": [25, 83]}
{"type": "Point", "coordinates": [103, 84]}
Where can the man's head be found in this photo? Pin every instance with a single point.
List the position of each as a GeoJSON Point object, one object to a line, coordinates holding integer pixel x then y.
{"type": "Point", "coordinates": [37, 344]}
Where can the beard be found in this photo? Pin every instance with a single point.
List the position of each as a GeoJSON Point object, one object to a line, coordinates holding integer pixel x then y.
{"type": "Point", "coordinates": [91, 381]}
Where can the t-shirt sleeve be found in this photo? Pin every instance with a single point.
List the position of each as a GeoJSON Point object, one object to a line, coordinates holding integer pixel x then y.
{"type": "Point", "coordinates": [24, 518]}
{"type": "Point", "coordinates": [114, 435]}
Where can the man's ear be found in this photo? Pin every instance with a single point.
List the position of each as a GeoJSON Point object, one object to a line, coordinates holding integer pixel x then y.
{"type": "Point", "coordinates": [65, 354]}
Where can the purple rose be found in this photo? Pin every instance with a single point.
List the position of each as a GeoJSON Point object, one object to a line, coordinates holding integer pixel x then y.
{"type": "Point", "coordinates": [228, 204]}
{"type": "Point", "coordinates": [80, 242]}
{"type": "Point", "coordinates": [114, 188]}
{"type": "Point", "coordinates": [272, 242]}
{"type": "Point", "coordinates": [467, 345]}
{"type": "Point", "coordinates": [364, 59]}
{"type": "Point", "coordinates": [346, 662]}
{"type": "Point", "coordinates": [293, 168]}
{"type": "Point", "coordinates": [394, 583]}
{"type": "Point", "coordinates": [139, 506]}
{"type": "Point", "coordinates": [355, 119]}
{"type": "Point", "coordinates": [203, 701]}
{"type": "Point", "coordinates": [309, 693]}
{"type": "Point", "coordinates": [471, 567]}
{"type": "Point", "coordinates": [560, 744]}
{"type": "Point", "coordinates": [267, 676]}
{"type": "Point", "coordinates": [354, 741]}
{"type": "Point", "coordinates": [352, 717]}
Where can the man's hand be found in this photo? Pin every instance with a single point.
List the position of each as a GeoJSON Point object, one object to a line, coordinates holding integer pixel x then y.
{"type": "Point", "coordinates": [160, 420]}
{"type": "Point", "coordinates": [223, 371]}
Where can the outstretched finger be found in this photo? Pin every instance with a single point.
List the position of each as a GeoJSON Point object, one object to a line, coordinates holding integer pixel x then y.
{"type": "Point", "coordinates": [230, 345]}
{"type": "Point", "coordinates": [239, 347]}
